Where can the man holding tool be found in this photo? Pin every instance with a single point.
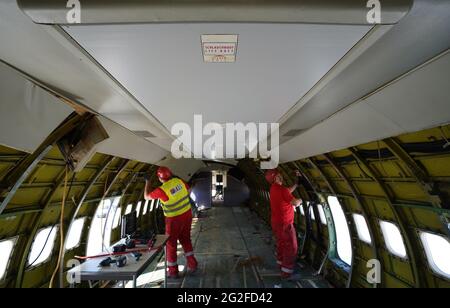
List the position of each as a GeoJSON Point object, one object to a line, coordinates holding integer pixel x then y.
{"type": "Point", "coordinates": [174, 197]}
{"type": "Point", "coordinates": [282, 204]}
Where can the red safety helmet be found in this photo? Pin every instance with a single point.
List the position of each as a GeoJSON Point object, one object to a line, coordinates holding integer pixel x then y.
{"type": "Point", "coordinates": [164, 173]}
{"type": "Point", "coordinates": [271, 175]}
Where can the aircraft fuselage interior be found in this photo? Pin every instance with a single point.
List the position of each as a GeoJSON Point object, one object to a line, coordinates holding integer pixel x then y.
{"type": "Point", "coordinates": [194, 144]}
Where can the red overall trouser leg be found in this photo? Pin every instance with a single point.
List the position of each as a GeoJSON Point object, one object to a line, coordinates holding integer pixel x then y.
{"type": "Point", "coordinates": [287, 247]}
{"type": "Point", "coordinates": [178, 228]}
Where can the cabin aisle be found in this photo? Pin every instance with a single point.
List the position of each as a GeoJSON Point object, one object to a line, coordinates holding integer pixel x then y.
{"type": "Point", "coordinates": [235, 249]}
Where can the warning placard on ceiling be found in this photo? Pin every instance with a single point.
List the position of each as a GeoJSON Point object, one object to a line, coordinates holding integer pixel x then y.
{"type": "Point", "coordinates": [219, 48]}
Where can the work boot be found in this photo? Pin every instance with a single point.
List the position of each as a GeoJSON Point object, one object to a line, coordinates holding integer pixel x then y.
{"type": "Point", "coordinates": [173, 272]}
{"type": "Point", "coordinates": [192, 264]}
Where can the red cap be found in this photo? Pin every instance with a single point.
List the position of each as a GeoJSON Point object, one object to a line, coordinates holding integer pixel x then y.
{"type": "Point", "coordinates": [271, 175]}
{"type": "Point", "coordinates": [164, 173]}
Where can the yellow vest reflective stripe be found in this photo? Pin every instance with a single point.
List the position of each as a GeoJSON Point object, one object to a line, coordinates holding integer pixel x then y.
{"type": "Point", "coordinates": [178, 202]}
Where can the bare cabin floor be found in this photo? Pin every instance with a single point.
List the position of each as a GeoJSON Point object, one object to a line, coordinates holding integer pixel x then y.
{"type": "Point", "coordinates": [234, 249]}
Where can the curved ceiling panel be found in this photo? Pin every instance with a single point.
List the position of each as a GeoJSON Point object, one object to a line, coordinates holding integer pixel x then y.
{"type": "Point", "coordinates": [28, 114]}
{"type": "Point", "coordinates": [162, 66]}
{"type": "Point", "coordinates": [125, 144]}
{"type": "Point", "coordinates": [388, 112]}
{"type": "Point", "coordinates": [70, 72]}
{"type": "Point", "coordinates": [420, 36]}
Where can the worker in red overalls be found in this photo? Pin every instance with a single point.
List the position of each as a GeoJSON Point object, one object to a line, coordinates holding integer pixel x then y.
{"type": "Point", "coordinates": [174, 197]}
{"type": "Point", "coordinates": [282, 204]}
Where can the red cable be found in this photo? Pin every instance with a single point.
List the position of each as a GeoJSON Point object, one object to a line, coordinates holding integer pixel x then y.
{"type": "Point", "coordinates": [148, 249]}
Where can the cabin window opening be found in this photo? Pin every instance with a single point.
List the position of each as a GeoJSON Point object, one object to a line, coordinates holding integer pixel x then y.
{"type": "Point", "coordinates": [101, 226]}
{"type": "Point", "coordinates": [311, 213]}
{"type": "Point", "coordinates": [42, 247]}
{"type": "Point", "coordinates": [152, 205]}
{"type": "Point", "coordinates": [6, 250]}
{"type": "Point", "coordinates": [129, 208]}
{"type": "Point", "coordinates": [323, 219]}
{"type": "Point", "coordinates": [145, 210]}
{"type": "Point", "coordinates": [437, 250]}
{"type": "Point", "coordinates": [74, 235]}
{"type": "Point", "coordinates": [116, 201]}
{"type": "Point", "coordinates": [116, 221]}
{"type": "Point", "coordinates": [117, 212]}
{"type": "Point", "coordinates": [302, 211]}
{"type": "Point", "coordinates": [138, 209]}
{"type": "Point", "coordinates": [362, 228]}
{"type": "Point", "coordinates": [193, 196]}
{"type": "Point", "coordinates": [344, 244]}
{"type": "Point", "coordinates": [393, 239]}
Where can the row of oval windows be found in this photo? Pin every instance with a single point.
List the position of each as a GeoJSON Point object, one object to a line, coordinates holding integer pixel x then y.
{"type": "Point", "coordinates": [437, 247]}
{"type": "Point", "coordinates": [44, 241]}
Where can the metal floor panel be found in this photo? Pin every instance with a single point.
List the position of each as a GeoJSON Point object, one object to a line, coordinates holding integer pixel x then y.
{"type": "Point", "coordinates": [235, 249]}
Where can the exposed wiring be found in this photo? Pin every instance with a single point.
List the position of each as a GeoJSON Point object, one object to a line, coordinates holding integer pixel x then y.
{"type": "Point", "coordinates": [71, 185]}
{"type": "Point", "coordinates": [61, 222]}
{"type": "Point", "coordinates": [48, 237]}
{"type": "Point", "coordinates": [106, 223]}
{"type": "Point", "coordinates": [102, 233]}
{"type": "Point", "coordinates": [103, 226]}
{"type": "Point", "coordinates": [102, 203]}
{"type": "Point", "coordinates": [43, 248]}
{"type": "Point", "coordinates": [363, 171]}
{"type": "Point", "coordinates": [118, 207]}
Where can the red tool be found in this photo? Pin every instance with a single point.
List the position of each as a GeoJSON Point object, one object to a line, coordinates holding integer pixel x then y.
{"type": "Point", "coordinates": [148, 248]}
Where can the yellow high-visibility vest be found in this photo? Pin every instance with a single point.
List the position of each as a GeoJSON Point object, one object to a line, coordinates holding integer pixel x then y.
{"type": "Point", "coordinates": [178, 202]}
